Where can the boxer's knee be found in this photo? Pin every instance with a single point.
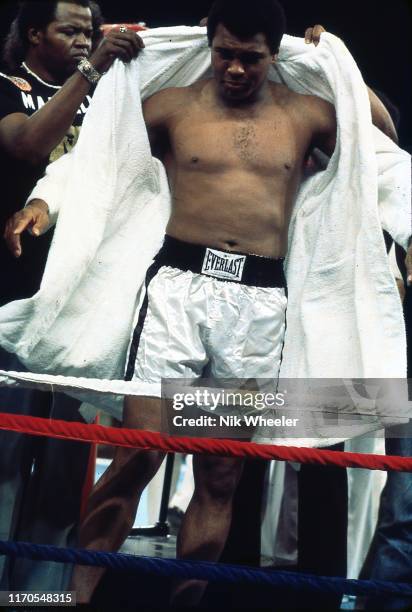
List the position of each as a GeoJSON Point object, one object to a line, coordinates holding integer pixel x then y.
{"type": "Point", "coordinates": [129, 473]}
{"type": "Point", "coordinates": [216, 478]}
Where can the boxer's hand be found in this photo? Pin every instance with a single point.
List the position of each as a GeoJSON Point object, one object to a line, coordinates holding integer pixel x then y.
{"type": "Point", "coordinates": [312, 35]}
{"type": "Point", "coordinates": [34, 218]}
{"type": "Point", "coordinates": [408, 264]}
{"type": "Point", "coordinates": [116, 44]}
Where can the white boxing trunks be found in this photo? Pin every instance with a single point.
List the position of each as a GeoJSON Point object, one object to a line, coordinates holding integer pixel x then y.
{"type": "Point", "coordinates": [204, 307]}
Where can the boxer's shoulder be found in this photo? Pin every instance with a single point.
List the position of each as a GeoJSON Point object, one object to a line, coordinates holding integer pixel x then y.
{"type": "Point", "coordinates": [164, 104]}
{"type": "Point", "coordinates": [306, 107]}
{"type": "Point", "coordinates": [169, 96]}
{"type": "Point", "coordinates": [169, 102]}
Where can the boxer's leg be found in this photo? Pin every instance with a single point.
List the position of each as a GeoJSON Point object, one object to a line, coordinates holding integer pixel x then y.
{"type": "Point", "coordinates": [216, 480]}
{"type": "Point", "coordinates": [165, 344]}
{"type": "Point", "coordinates": [114, 500]}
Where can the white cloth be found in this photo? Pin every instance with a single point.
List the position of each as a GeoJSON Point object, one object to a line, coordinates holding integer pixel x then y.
{"type": "Point", "coordinates": [364, 490]}
{"type": "Point", "coordinates": [344, 312]}
{"type": "Point", "coordinates": [279, 528]}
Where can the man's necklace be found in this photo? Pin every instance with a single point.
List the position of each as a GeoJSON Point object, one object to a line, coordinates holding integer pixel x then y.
{"type": "Point", "coordinates": [27, 69]}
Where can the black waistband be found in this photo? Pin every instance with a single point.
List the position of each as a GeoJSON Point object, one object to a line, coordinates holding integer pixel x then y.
{"type": "Point", "coordinates": [243, 268]}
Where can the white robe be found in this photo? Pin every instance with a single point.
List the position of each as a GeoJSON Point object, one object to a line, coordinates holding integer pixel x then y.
{"type": "Point", "coordinates": [344, 312]}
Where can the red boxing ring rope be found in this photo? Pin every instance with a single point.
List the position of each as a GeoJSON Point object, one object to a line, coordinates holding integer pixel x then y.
{"type": "Point", "coordinates": [155, 441]}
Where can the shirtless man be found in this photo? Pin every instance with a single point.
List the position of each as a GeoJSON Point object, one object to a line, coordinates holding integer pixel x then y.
{"type": "Point", "coordinates": [234, 147]}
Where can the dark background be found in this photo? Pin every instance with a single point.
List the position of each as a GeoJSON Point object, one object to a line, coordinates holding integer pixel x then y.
{"type": "Point", "coordinates": [377, 33]}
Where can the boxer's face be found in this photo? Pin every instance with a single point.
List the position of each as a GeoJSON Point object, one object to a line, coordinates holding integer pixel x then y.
{"type": "Point", "coordinates": [240, 66]}
{"type": "Point", "coordinates": [65, 40]}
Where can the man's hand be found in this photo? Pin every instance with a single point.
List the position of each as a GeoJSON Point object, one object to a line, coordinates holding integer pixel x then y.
{"type": "Point", "coordinates": [312, 35]}
{"type": "Point", "coordinates": [118, 43]}
{"type": "Point", "coordinates": [408, 264]}
{"type": "Point", "coordinates": [34, 218]}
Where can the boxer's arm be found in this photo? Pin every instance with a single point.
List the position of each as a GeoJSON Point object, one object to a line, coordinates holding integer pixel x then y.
{"type": "Point", "coordinates": [321, 116]}
{"type": "Point", "coordinates": [381, 117]}
{"type": "Point", "coordinates": [159, 112]}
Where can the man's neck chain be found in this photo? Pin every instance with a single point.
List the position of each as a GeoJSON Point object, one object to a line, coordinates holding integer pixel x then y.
{"type": "Point", "coordinates": [27, 69]}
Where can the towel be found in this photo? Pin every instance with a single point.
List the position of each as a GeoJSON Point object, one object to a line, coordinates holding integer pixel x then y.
{"type": "Point", "coordinates": [344, 316]}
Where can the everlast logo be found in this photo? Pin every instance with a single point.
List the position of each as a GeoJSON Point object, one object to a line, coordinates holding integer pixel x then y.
{"type": "Point", "coordinates": [223, 265]}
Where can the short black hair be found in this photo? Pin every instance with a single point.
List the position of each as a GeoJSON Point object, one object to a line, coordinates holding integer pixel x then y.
{"type": "Point", "coordinates": [244, 20]}
{"type": "Point", "coordinates": [37, 14]}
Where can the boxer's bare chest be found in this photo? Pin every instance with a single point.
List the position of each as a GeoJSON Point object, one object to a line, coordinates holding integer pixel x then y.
{"type": "Point", "coordinates": [266, 141]}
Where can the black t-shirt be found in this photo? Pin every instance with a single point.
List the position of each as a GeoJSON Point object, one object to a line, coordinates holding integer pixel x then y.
{"type": "Point", "coordinates": [24, 93]}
